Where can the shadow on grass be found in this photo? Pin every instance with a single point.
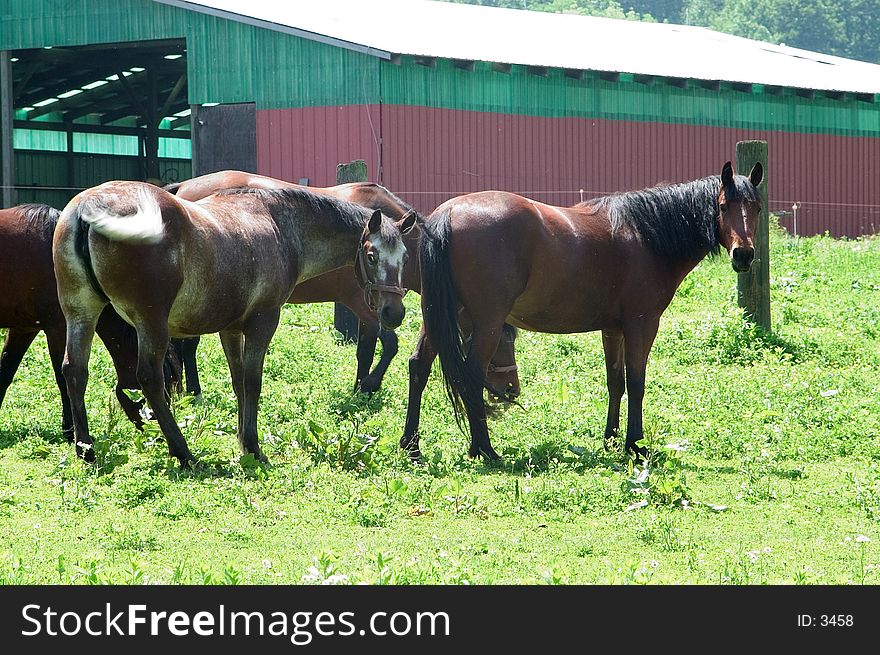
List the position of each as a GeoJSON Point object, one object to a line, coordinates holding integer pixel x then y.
{"type": "Point", "coordinates": [550, 456]}
{"type": "Point", "coordinates": [21, 432]}
{"type": "Point", "coordinates": [346, 402]}
{"type": "Point", "coordinates": [726, 469]}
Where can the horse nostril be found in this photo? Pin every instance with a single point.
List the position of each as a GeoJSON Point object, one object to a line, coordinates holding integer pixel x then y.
{"type": "Point", "coordinates": [743, 256]}
{"type": "Point", "coordinates": [390, 316]}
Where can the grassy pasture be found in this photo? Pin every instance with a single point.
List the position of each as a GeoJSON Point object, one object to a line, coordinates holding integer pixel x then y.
{"type": "Point", "coordinates": [767, 465]}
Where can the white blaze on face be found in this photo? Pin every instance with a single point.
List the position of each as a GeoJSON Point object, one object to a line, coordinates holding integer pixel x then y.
{"type": "Point", "coordinates": [391, 256]}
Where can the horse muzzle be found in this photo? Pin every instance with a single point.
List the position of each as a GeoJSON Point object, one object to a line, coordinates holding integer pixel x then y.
{"type": "Point", "coordinates": [390, 314]}
{"type": "Point", "coordinates": [741, 258]}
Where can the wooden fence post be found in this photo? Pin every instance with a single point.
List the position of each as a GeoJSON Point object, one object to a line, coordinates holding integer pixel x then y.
{"type": "Point", "coordinates": [753, 287]}
{"type": "Point", "coordinates": [343, 319]}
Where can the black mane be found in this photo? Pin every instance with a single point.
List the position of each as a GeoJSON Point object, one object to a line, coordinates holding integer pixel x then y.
{"type": "Point", "coordinates": [348, 215]}
{"type": "Point", "coordinates": [677, 221]}
{"type": "Point", "coordinates": [41, 218]}
{"type": "Point", "coordinates": [403, 203]}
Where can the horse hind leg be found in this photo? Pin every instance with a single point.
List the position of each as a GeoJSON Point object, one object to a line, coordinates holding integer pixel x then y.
{"type": "Point", "coordinates": [186, 353]}
{"type": "Point", "coordinates": [55, 337]}
{"type": "Point", "coordinates": [152, 345]}
{"type": "Point", "coordinates": [257, 335]}
{"type": "Point", "coordinates": [233, 348]}
{"type": "Point", "coordinates": [75, 368]}
{"type": "Point", "coordinates": [486, 336]}
{"type": "Point", "coordinates": [16, 345]}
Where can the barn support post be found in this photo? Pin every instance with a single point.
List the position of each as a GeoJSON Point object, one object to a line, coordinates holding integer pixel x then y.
{"type": "Point", "coordinates": [753, 287]}
{"type": "Point", "coordinates": [69, 162]}
{"type": "Point", "coordinates": [7, 170]}
{"type": "Point", "coordinates": [151, 135]}
{"type": "Point", "coordinates": [343, 319]}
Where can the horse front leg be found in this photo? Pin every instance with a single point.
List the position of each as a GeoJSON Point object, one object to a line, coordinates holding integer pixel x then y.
{"type": "Point", "coordinates": [419, 370]}
{"type": "Point", "coordinates": [152, 345]}
{"type": "Point", "coordinates": [389, 341]}
{"type": "Point", "coordinates": [16, 345]}
{"type": "Point", "coordinates": [186, 353]}
{"type": "Point", "coordinates": [257, 335]}
{"type": "Point", "coordinates": [368, 334]}
{"type": "Point", "coordinates": [638, 337]}
{"type": "Point", "coordinates": [614, 346]}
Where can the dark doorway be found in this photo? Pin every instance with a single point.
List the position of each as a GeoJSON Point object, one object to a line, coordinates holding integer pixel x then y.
{"type": "Point", "coordinates": [224, 137]}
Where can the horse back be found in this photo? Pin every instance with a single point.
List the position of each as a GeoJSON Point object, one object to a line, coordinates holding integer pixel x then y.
{"type": "Point", "coordinates": [30, 296]}
{"type": "Point", "coordinates": [559, 269]}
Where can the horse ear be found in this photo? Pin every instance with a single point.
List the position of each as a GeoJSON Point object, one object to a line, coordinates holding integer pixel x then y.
{"type": "Point", "coordinates": [726, 174]}
{"type": "Point", "coordinates": [375, 222]}
{"type": "Point", "coordinates": [756, 175]}
{"type": "Point", "coordinates": [407, 223]}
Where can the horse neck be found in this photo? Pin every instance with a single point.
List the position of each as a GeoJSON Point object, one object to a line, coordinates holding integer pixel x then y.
{"type": "Point", "coordinates": [378, 197]}
{"type": "Point", "coordinates": [412, 278]}
{"type": "Point", "coordinates": [679, 270]}
{"type": "Point", "coordinates": [326, 243]}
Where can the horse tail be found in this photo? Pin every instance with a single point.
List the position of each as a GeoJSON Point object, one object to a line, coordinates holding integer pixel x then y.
{"type": "Point", "coordinates": [463, 379]}
{"type": "Point", "coordinates": [118, 219]}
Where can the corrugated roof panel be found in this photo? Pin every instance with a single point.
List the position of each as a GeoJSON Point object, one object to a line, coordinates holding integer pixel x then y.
{"type": "Point", "coordinates": [472, 32]}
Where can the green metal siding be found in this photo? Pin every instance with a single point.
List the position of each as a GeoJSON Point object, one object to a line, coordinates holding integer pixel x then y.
{"type": "Point", "coordinates": [227, 61]}
{"type": "Point", "coordinates": [556, 95]}
{"type": "Point", "coordinates": [46, 173]}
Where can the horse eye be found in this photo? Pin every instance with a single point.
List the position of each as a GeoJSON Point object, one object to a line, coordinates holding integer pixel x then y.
{"type": "Point", "coordinates": [371, 257]}
{"type": "Point", "coordinates": [723, 206]}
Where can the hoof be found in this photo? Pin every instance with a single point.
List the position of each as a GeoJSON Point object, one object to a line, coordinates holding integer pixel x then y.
{"type": "Point", "coordinates": [370, 384]}
{"type": "Point", "coordinates": [411, 445]}
{"type": "Point", "coordinates": [85, 451]}
{"type": "Point", "coordinates": [68, 434]}
{"type": "Point", "coordinates": [639, 453]}
{"type": "Point", "coordinates": [187, 463]}
{"type": "Point", "coordinates": [486, 451]}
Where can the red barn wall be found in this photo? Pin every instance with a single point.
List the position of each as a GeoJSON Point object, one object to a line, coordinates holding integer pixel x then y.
{"type": "Point", "coordinates": [429, 155]}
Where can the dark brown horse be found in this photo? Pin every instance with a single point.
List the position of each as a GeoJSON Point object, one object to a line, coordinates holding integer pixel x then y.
{"type": "Point", "coordinates": [341, 286]}
{"type": "Point", "coordinates": [226, 264]}
{"type": "Point", "coordinates": [29, 304]}
{"type": "Point", "coordinates": [612, 264]}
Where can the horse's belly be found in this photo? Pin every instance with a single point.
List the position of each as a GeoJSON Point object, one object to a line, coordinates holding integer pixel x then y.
{"type": "Point", "coordinates": [207, 308]}
{"type": "Point", "coordinates": [561, 311]}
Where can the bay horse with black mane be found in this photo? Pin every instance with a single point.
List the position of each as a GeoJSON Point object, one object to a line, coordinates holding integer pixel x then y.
{"type": "Point", "coordinates": [29, 304]}
{"type": "Point", "coordinates": [611, 264]}
{"type": "Point", "coordinates": [341, 285]}
{"type": "Point", "coordinates": [174, 268]}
